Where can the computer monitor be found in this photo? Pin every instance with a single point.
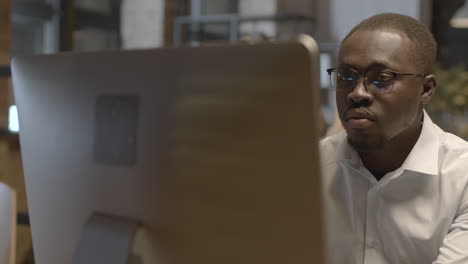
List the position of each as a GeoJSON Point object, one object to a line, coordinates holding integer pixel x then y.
{"type": "Point", "coordinates": [7, 224]}
{"type": "Point", "coordinates": [212, 149]}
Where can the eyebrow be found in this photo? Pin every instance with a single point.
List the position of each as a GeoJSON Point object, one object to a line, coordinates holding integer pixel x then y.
{"type": "Point", "coordinates": [374, 65]}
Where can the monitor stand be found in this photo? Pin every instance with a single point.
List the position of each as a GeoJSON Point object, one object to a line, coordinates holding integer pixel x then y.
{"type": "Point", "coordinates": [116, 240]}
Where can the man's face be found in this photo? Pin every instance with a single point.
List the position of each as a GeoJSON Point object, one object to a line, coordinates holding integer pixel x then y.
{"type": "Point", "coordinates": [374, 119]}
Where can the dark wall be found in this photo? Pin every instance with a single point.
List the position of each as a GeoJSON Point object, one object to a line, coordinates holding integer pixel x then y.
{"type": "Point", "coordinates": [453, 42]}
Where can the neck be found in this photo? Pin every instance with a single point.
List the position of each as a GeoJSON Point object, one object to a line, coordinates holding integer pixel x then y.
{"type": "Point", "coordinates": [392, 155]}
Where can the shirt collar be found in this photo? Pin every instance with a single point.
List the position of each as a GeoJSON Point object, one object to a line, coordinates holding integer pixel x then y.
{"type": "Point", "coordinates": [345, 152]}
{"type": "Point", "coordinates": [423, 158]}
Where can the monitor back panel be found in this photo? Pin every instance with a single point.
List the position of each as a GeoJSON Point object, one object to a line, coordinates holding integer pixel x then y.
{"type": "Point", "coordinates": [214, 149]}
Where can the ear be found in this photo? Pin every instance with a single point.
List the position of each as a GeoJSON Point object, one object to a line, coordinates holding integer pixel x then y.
{"type": "Point", "coordinates": [428, 89]}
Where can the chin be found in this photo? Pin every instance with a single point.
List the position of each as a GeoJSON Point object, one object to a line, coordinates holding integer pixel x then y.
{"type": "Point", "coordinates": [366, 144]}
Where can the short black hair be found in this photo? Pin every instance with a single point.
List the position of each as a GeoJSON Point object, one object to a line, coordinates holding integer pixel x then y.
{"type": "Point", "coordinates": [425, 46]}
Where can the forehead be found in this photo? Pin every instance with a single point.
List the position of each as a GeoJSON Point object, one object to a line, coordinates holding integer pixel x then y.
{"type": "Point", "coordinates": [385, 48]}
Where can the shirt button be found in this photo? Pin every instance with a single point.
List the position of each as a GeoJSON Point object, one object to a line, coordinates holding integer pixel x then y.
{"type": "Point", "coordinates": [373, 244]}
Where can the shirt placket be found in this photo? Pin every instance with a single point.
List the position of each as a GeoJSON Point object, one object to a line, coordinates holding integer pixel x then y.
{"type": "Point", "coordinates": [372, 244]}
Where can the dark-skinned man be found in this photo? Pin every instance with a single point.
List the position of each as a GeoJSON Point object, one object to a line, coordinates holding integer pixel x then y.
{"type": "Point", "coordinates": [395, 184]}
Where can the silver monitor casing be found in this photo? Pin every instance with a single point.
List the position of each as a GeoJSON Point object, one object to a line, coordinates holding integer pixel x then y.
{"type": "Point", "coordinates": [218, 158]}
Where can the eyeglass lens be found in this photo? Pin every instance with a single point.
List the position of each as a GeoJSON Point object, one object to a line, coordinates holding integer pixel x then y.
{"type": "Point", "coordinates": [346, 79]}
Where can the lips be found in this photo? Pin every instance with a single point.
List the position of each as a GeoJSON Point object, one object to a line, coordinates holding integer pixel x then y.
{"type": "Point", "coordinates": [359, 118]}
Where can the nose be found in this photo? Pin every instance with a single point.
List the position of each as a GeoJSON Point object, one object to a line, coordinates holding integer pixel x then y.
{"type": "Point", "coordinates": [360, 94]}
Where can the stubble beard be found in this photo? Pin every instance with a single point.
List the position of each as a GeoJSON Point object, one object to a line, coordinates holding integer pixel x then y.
{"type": "Point", "coordinates": [366, 144]}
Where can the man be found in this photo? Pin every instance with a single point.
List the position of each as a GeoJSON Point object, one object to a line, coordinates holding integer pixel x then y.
{"type": "Point", "coordinates": [395, 184]}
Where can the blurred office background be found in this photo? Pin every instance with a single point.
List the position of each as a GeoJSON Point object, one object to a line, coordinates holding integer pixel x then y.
{"type": "Point", "coordinates": [49, 26]}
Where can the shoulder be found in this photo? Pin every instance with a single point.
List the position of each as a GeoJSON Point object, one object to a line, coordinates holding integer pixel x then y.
{"type": "Point", "coordinates": [332, 141]}
{"type": "Point", "coordinates": [453, 161]}
{"type": "Point", "coordinates": [453, 147]}
{"type": "Point", "coordinates": [330, 147]}
{"type": "Point", "coordinates": [453, 168]}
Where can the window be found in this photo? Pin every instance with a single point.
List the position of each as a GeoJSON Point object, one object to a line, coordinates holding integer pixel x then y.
{"type": "Point", "coordinates": [13, 124]}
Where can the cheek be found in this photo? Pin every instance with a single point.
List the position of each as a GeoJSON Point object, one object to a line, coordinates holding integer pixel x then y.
{"type": "Point", "coordinates": [402, 110]}
{"type": "Point", "coordinates": [408, 100]}
{"type": "Point", "coordinates": [341, 103]}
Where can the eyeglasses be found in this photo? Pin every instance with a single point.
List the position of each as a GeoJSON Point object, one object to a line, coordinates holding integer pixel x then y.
{"type": "Point", "coordinates": [381, 81]}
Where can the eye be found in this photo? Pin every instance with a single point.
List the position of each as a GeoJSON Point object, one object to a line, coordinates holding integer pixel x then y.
{"type": "Point", "coordinates": [382, 80]}
{"type": "Point", "coordinates": [346, 75]}
{"type": "Point", "coordinates": [343, 77]}
{"type": "Point", "coordinates": [384, 77]}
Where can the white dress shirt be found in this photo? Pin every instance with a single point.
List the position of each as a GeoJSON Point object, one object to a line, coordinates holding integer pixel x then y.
{"type": "Point", "coordinates": [416, 214]}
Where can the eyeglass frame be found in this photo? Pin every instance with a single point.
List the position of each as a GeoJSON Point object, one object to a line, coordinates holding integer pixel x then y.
{"type": "Point", "coordinates": [359, 76]}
